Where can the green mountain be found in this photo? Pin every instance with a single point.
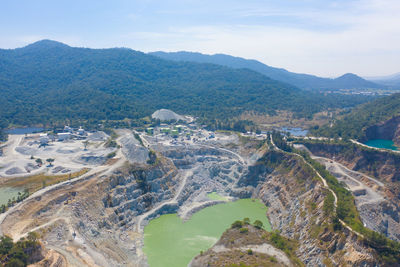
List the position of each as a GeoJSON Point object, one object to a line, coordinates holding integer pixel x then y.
{"type": "Point", "coordinates": [354, 124]}
{"type": "Point", "coordinates": [49, 82]}
{"type": "Point", "coordinates": [304, 81]}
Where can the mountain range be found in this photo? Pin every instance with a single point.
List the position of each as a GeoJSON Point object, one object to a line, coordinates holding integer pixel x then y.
{"type": "Point", "coordinates": [355, 124]}
{"type": "Point", "coordinates": [304, 81]}
{"type": "Point", "coordinates": [390, 80]}
{"type": "Point", "coordinates": [48, 82]}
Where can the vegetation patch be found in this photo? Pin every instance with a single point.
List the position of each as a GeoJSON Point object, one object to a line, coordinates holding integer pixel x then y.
{"type": "Point", "coordinates": [239, 253]}
{"type": "Point", "coordinates": [387, 249]}
{"type": "Point", "coordinates": [21, 253]}
{"type": "Point", "coordinates": [354, 124]}
{"type": "Point", "coordinates": [35, 182]}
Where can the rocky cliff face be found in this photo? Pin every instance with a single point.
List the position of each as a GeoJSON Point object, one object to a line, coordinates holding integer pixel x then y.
{"type": "Point", "coordinates": [137, 188]}
{"type": "Point", "coordinates": [383, 165]}
{"type": "Point", "coordinates": [93, 222]}
{"type": "Point", "coordinates": [389, 129]}
{"type": "Point", "coordinates": [381, 216]}
{"type": "Point", "coordinates": [295, 200]}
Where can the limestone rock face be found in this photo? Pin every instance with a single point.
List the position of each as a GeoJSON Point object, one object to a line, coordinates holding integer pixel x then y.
{"type": "Point", "coordinates": [382, 216]}
{"type": "Point", "coordinates": [295, 207]}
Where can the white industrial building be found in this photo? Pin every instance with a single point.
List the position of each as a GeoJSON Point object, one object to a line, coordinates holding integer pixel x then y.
{"type": "Point", "coordinates": [63, 136]}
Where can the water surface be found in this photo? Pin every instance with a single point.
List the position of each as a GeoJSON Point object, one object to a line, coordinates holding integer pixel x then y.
{"type": "Point", "coordinates": [170, 242]}
{"type": "Point", "coordinates": [294, 131]}
{"type": "Point", "coordinates": [382, 143]}
{"type": "Point", "coordinates": [216, 196]}
{"type": "Point", "coordinates": [27, 130]}
{"type": "Point", "coordinates": [7, 193]}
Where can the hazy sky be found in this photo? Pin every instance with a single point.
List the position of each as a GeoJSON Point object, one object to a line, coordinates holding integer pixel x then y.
{"type": "Point", "coordinates": [322, 37]}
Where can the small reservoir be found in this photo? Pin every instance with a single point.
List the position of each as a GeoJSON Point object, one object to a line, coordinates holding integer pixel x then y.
{"type": "Point", "coordinates": [294, 131]}
{"type": "Point", "coordinates": [27, 130]}
{"type": "Point", "coordinates": [382, 143]}
{"type": "Point", "coordinates": [168, 241]}
{"type": "Point", "coordinates": [7, 193]}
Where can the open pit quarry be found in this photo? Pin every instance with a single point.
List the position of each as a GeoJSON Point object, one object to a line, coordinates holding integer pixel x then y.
{"type": "Point", "coordinates": [97, 219]}
{"type": "Point", "coordinates": [376, 198]}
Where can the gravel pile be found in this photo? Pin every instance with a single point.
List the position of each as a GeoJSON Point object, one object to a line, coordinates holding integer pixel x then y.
{"type": "Point", "coordinates": [98, 136]}
{"type": "Point", "coordinates": [167, 115]}
{"type": "Point", "coordinates": [133, 150]}
{"type": "Point", "coordinates": [14, 170]}
{"type": "Point", "coordinates": [57, 169]}
{"type": "Point", "coordinates": [27, 150]}
{"type": "Point", "coordinates": [30, 167]}
{"type": "Point", "coordinates": [67, 150]}
{"type": "Point", "coordinates": [94, 158]}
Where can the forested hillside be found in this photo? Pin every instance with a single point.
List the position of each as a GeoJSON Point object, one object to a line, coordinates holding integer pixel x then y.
{"type": "Point", "coordinates": [48, 82]}
{"type": "Point", "coordinates": [353, 125]}
{"type": "Point", "coordinates": [304, 81]}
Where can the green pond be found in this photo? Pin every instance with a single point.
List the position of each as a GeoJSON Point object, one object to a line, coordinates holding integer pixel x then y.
{"type": "Point", "coordinates": [170, 242]}
{"type": "Point", "coordinates": [382, 143]}
{"type": "Point", "coordinates": [7, 193]}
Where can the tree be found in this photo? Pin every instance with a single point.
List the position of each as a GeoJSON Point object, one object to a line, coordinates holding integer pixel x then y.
{"type": "Point", "coordinates": [258, 224]}
{"type": "Point", "coordinates": [17, 253]}
{"type": "Point", "coordinates": [152, 157]}
{"type": "Point", "coordinates": [39, 161]}
{"type": "Point", "coordinates": [6, 243]}
{"type": "Point", "coordinates": [50, 161]}
{"type": "Point", "coordinates": [14, 262]}
{"type": "Point", "coordinates": [237, 224]}
{"type": "Point", "coordinates": [33, 236]}
{"type": "Point", "coordinates": [85, 143]}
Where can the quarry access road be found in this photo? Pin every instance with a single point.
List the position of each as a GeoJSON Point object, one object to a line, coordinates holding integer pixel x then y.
{"type": "Point", "coordinates": [173, 201]}
{"type": "Point", "coordinates": [371, 196]}
{"type": "Point", "coordinates": [325, 185]}
{"type": "Point", "coordinates": [226, 150]}
{"type": "Point", "coordinates": [344, 169]}
{"type": "Point", "coordinates": [100, 170]}
{"type": "Point", "coordinates": [308, 164]}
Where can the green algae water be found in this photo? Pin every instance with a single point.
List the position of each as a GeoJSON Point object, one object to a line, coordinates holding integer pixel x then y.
{"type": "Point", "coordinates": [170, 242]}
{"type": "Point", "coordinates": [216, 196]}
{"type": "Point", "coordinates": [382, 143]}
{"type": "Point", "coordinates": [7, 193]}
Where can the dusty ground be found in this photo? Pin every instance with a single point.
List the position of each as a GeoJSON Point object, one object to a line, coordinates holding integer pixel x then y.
{"type": "Point", "coordinates": [54, 213]}
{"type": "Point", "coordinates": [20, 153]}
{"type": "Point", "coordinates": [80, 230]}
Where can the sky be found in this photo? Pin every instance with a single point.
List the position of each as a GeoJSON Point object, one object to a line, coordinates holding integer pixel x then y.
{"type": "Point", "coordinates": [321, 37]}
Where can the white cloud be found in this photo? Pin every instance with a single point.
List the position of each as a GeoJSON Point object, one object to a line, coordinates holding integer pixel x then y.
{"type": "Point", "coordinates": [360, 36]}
{"type": "Point", "coordinates": [368, 44]}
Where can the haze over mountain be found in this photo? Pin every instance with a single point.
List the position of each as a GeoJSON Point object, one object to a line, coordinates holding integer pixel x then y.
{"type": "Point", "coordinates": [304, 81]}
{"type": "Point", "coordinates": [390, 80]}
